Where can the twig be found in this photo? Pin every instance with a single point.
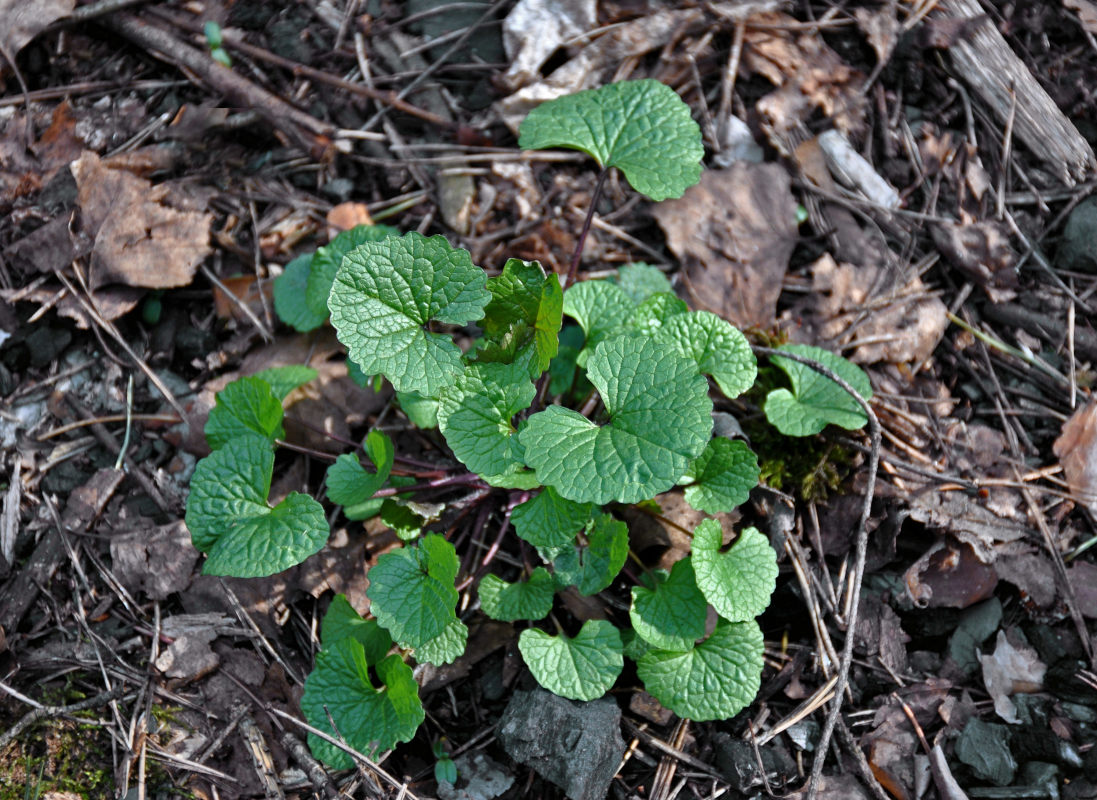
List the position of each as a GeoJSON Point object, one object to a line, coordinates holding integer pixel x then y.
{"type": "Point", "coordinates": [48, 712]}
{"type": "Point", "coordinates": [860, 551]}
{"type": "Point", "coordinates": [312, 135]}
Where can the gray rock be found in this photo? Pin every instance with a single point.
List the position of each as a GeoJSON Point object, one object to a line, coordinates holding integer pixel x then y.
{"type": "Point", "coordinates": [575, 745]}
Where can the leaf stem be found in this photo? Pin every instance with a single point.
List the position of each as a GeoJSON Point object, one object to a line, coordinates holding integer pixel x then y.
{"type": "Point", "coordinates": [466, 479]}
{"type": "Point", "coordinates": [573, 270]}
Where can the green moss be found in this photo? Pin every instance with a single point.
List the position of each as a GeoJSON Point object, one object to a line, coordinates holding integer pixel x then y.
{"type": "Point", "coordinates": [58, 756]}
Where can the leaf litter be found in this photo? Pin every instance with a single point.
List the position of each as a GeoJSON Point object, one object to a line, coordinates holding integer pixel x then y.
{"type": "Point", "coordinates": [870, 282]}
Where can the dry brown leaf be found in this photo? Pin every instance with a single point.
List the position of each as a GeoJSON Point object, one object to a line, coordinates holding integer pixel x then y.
{"type": "Point", "coordinates": [1011, 669]}
{"type": "Point", "coordinates": [1083, 579]}
{"type": "Point", "coordinates": [734, 232]}
{"type": "Point", "coordinates": [25, 19]}
{"type": "Point", "coordinates": [1086, 11]}
{"type": "Point", "coordinates": [960, 515]}
{"type": "Point", "coordinates": [144, 235]}
{"type": "Point", "coordinates": [158, 561]}
{"type": "Point", "coordinates": [981, 250]}
{"type": "Point", "coordinates": [1076, 448]}
{"type": "Point", "coordinates": [808, 73]}
{"type": "Point", "coordinates": [535, 29]}
{"type": "Point", "coordinates": [345, 216]}
{"type": "Point", "coordinates": [881, 28]}
{"type": "Point", "coordinates": [950, 575]}
{"type": "Point", "coordinates": [111, 302]}
{"type": "Point", "coordinates": [851, 304]}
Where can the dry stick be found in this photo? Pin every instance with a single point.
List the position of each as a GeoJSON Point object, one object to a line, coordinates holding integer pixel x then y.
{"type": "Point", "coordinates": [48, 712]}
{"type": "Point", "coordinates": [859, 557]}
{"type": "Point", "coordinates": [259, 54]}
{"type": "Point", "coordinates": [437, 63]}
{"type": "Point", "coordinates": [314, 136]}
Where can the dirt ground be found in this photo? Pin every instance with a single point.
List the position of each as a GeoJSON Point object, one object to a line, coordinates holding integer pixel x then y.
{"type": "Point", "coordinates": [158, 173]}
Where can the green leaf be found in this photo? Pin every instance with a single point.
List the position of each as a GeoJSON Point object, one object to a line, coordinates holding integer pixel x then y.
{"type": "Point", "coordinates": [722, 476]}
{"type": "Point", "coordinates": [640, 281]}
{"type": "Point", "coordinates": [528, 599]}
{"type": "Point", "coordinates": [351, 486]}
{"type": "Point", "coordinates": [641, 127]}
{"type": "Point", "coordinates": [672, 616]}
{"type": "Point", "coordinates": [522, 321]}
{"type": "Point", "coordinates": [289, 296]}
{"type": "Point", "coordinates": [562, 368]}
{"type": "Point", "coordinates": [386, 292]}
{"type": "Point", "coordinates": [715, 680]}
{"type": "Point", "coordinates": [580, 668]}
{"type": "Point", "coordinates": [660, 419]}
{"type": "Point", "coordinates": [522, 479]}
{"type": "Point", "coordinates": [474, 414]}
{"type": "Point", "coordinates": [649, 317]}
{"type": "Point", "coordinates": [283, 380]}
{"type": "Point", "coordinates": [411, 590]}
{"type": "Point", "coordinates": [738, 583]}
{"type": "Point", "coordinates": [404, 522]}
{"type": "Point", "coordinates": [635, 645]}
{"type": "Point", "coordinates": [229, 519]}
{"type": "Point", "coordinates": [549, 521]}
{"type": "Point", "coordinates": [815, 400]}
{"type": "Point", "coordinates": [327, 260]}
{"type": "Point", "coordinates": [592, 567]}
{"type": "Point", "coordinates": [600, 308]}
{"type": "Point", "coordinates": [445, 648]}
{"type": "Point", "coordinates": [719, 349]}
{"type": "Point", "coordinates": [369, 719]}
{"type": "Point", "coordinates": [343, 622]}
{"type": "Point", "coordinates": [245, 407]}
{"type": "Point", "coordinates": [421, 410]}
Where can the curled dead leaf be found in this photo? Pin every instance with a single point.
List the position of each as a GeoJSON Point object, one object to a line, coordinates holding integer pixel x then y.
{"type": "Point", "coordinates": [1076, 448]}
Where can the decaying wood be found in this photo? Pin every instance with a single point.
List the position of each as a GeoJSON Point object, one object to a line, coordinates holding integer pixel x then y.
{"type": "Point", "coordinates": [994, 72]}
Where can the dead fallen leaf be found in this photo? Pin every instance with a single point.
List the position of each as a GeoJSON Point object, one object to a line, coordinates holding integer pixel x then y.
{"type": "Point", "coordinates": [1086, 11]}
{"type": "Point", "coordinates": [1076, 448]}
{"type": "Point", "coordinates": [111, 302]}
{"type": "Point", "coordinates": [555, 22]}
{"type": "Point", "coordinates": [144, 235]}
{"type": "Point", "coordinates": [850, 304]}
{"type": "Point", "coordinates": [880, 635]}
{"type": "Point", "coordinates": [1083, 578]}
{"type": "Point", "coordinates": [808, 73]}
{"type": "Point", "coordinates": [1033, 574]}
{"type": "Point", "coordinates": [881, 27]}
{"type": "Point", "coordinates": [24, 20]}
{"type": "Point", "coordinates": [734, 232]}
{"type": "Point", "coordinates": [1011, 669]}
{"type": "Point", "coordinates": [950, 575]}
{"type": "Point", "coordinates": [588, 67]}
{"type": "Point", "coordinates": [980, 250]}
{"type": "Point", "coordinates": [988, 534]}
{"type": "Point", "coordinates": [189, 657]}
{"type": "Point", "coordinates": [157, 561]}
{"type": "Point", "coordinates": [345, 216]}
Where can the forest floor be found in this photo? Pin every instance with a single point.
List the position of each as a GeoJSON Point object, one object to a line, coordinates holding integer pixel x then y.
{"type": "Point", "coordinates": [958, 268]}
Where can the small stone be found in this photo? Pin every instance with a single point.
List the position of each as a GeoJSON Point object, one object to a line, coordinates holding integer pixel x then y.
{"type": "Point", "coordinates": [575, 745]}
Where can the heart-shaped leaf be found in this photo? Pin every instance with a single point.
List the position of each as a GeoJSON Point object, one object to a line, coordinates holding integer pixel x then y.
{"type": "Point", "coordinates": [601, 309]}
{"type": "Point", "coordinates": [592, 566]}
{"type": "Point", "coordinates": [283, 380]}
{"type": "Point", "coordinates": [246, 407]}
{"type": "Point", "coordinates": [445, 648]}
{"type": "Point", "coordinates": [326, 261]}
{"type": "Point", "coordinates": [289, 296]}
{"type": "Point", "coordinates": [640, 281]}
{"type": "Point", "coordinates": [549, 522]}
{"type": "Point", "coordinates": [738, 583]}
{"type": "Point", "coordinates": [660, 418]}
{"type": "Point", "coordinates": [716, 679]}
{"type": "Point", "coordinates": [229, 519]}
{"type": "Point", "coordinates": [474, 414]}
{"type": "Point", "coordinates": [721, 478]}
{"type": "Point", "coordinates": [718, 349]}
{"type": "Point", "coordinates": [816, 400]}
{"type": "Point", "coordinates": [343, 622]}
{"type": "Point", "coordinates": [411, 590]}
{"type": "Point", "coordinates": [580, 668]}
{"type": "Point", "coordinates": [351, 486]}
{"type": "Point", "coordinates": [672, 615]}
{"type": "Point", "coordinates": [528, 599]}
{"type": "Point", "coordinates": [369, 719]}
{"type": "Point", "coordinates": [522, 321]}
{"type": "Point", "coordinates": [384, 295]}
{"type": "Point", "coordinates": [641, 127]}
